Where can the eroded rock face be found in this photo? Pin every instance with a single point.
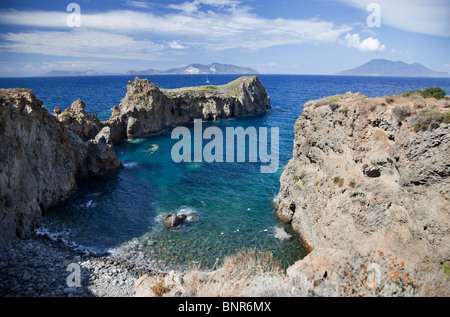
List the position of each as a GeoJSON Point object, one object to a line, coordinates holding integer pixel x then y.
{"type": "Point", "coordinates": [41, 159]}
{"type": "Point", "coordinates": [37, 163]}
{"type": "Point", "coordinates": [76, 119]}
{"type": "Point", "coordinates": [367, 175]}
{"type": "Point", "coordinates": [146, 109]}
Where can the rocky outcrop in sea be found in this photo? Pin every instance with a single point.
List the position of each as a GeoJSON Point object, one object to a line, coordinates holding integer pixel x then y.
{"type": "Point", "coordinates": [147, 109]}
{"type": "Point", "coordinates": [371, 174]}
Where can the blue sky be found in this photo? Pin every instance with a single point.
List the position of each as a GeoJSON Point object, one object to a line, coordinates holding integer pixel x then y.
{"type": "Point", "coordinates": [277, 37]}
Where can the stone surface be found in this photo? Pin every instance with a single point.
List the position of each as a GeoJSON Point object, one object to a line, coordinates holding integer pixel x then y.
{"type": "Point", "coordinates": [318, 265]}
{"type": "Point", "coordinates": [38, 165]}
{"type": "Point", "coordinates": [364, 176]}
{"type": "Point", "coordinates": [146, 109]}
{"type": "Point", "coordinates": [76, 119]}
{"type": "Point", "coordinates": [173, 221]}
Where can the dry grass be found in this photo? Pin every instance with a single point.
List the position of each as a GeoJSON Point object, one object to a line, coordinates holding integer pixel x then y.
{"type": "Point", "coordinates": [257, 274]}
{"type": "Point", "coordinates": [234, 276]}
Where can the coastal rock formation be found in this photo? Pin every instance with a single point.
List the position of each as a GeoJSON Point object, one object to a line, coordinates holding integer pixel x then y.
{"type": "Point", "coordinates": [146, 109]}
{"type": "Point", "coordinates": [76, 119]}
{"type": "Point", "coordinates": [369, 174]}
{"type": "Point", "coordinates": [41, 160]}
{"type": "Point", "coordinates": [38, 164]}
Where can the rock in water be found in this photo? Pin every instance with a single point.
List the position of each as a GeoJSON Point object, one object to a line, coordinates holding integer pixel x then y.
{"type": "Point", "coordinates": [364, 178]}
{"type": "Point", "coordinates": [173, 221]}
{"type": "Point", "coordinates": [146, 109]}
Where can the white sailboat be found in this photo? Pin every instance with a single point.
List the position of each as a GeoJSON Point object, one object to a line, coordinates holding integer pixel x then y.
{"type": "Point", "coordinates": [207, 80]}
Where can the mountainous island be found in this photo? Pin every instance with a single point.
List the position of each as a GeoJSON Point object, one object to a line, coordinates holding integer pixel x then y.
{"type": "Point", "coordinates": [383, 67]}
{"type": "Point", "coordinates": [193, 69]}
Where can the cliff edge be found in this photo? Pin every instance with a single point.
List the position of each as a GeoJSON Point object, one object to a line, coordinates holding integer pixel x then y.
{"type": "Point", "coordinates": [41, 160]}
{"type": "Point", "coordinates": [371, 174]}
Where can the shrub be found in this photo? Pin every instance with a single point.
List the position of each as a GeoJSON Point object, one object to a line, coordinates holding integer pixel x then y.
{"type": "Point", "coordinates": [295, 178]}
{"type": "Point", "coordinates": [352, 183]}
{"type": "Point", "coordinates": [389, 99]}
{"type": "Point", "coordinates": [401, 113]}
{"type": "Point", "coordinates": [431, 92]}
{"type": "Point", "coordinates": [431, 120]}
{"type": "Point", "coordinates": [159, 289]}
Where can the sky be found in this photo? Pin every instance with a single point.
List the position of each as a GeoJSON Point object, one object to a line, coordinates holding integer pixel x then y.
{"type": "Point", "coordinates": [273, 37]}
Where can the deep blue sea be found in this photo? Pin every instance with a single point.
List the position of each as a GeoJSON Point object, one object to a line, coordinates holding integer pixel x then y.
{"type": "Point", "coordinates": [232, 202]}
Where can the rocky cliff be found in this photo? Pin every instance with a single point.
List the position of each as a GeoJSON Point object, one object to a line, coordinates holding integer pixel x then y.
{"type": "Point", "coordinates": [146, 109]}
{"type": "Point", "coordinates": [371, 174]}
{"type": "Point", "coordinates": [41, 158]}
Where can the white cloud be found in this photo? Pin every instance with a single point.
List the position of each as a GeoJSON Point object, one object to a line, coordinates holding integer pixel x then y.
{"type": "Point", "coordinates": [206, 30]}
{"type": "Point", "coordinates": [368, 45]}
{"type": "Point", "coordinates": [418, 16]}
{"type": "Point", "coordinates": [81, 43]}
{"type": "Point", "coordinates": [176, 45]}
{"type": "Point", "coordinates": [138, 4]}
{"type": "Point", "coordinates": [194, 6]}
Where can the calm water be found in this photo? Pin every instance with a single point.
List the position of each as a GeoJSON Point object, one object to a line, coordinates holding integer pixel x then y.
{"type": "Point", "coordinates": [231, 203]}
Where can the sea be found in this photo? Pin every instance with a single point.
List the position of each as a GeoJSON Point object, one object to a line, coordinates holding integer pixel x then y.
{"type": "Point", "coordinates": [230, 206]}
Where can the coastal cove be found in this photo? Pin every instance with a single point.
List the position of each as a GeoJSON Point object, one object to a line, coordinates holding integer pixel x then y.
{"type": "Point", "coordinates": [122, 212]}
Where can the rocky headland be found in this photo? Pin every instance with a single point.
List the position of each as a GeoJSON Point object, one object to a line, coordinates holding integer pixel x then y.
{"type": "Point", "coordinates": [372, 174]}
{"type": "Point", "coordinates": [147, 109]}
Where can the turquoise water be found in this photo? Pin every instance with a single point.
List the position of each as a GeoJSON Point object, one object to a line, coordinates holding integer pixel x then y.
{"type": "Point", "coordinates": [230, 204]}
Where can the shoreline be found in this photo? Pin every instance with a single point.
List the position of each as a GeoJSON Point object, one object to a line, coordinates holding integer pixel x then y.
{"type": "Point", "coordinates": [37, 267]}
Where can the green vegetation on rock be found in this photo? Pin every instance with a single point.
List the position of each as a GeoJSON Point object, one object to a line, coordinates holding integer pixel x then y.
{"type": "Point", "coordinates": [431, 92]}
{"type": "Point", "coordinates": [431, 120]}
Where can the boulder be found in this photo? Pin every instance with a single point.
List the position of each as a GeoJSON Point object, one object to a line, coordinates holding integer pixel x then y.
{"type": "Point", "coordinates": [173, 221]}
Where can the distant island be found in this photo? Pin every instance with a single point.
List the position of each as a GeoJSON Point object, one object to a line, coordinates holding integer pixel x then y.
{"type": "Point", "coordinates": [383, 67]}
{"type": "Point", "coordinates": [193, 69]}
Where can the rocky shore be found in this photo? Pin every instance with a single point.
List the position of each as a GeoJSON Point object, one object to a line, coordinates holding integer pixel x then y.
{"type": "Point", "coordinates": [372, 174]}
{"type": "Point", "coordinates": [38, 267]}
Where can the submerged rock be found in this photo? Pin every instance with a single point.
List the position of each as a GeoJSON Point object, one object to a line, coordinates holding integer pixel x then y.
{"type": "Point", "coordinates": [364, 178]}
{"type": "Point", "coordinates": [146, 109]}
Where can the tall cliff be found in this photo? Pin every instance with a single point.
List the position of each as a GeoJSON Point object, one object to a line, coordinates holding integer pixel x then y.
{"type": "Point", "coordinates": [146, 109]}
{"type": "Point", "coordinates": [369, 174]}
{"type": "Point", "coordinates": [41, 159]}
